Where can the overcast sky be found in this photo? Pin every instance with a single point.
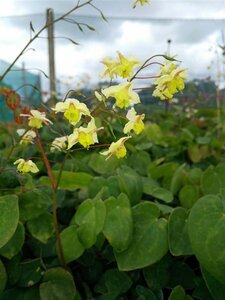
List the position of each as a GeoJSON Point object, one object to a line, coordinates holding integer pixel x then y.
{"type": "Point", "coordinates": [195, 28]}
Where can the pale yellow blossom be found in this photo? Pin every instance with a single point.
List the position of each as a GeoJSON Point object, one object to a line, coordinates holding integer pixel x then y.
{"type": "Point", "coordinates": [72, 109]}
{"type": "Point", "coordinates": [36, 118]}
{"type": "Point", "coordinates": [123, 93]}
{"type": "Point", "coordinates": [24, 166]}
{"type": "Point", "coordinates": [123, 66]}
{"type": "Point", "coordinates": [135, 122]}
{"type": "Point", "coordinates": [27, 137]}
{"type": "Point", "coordinates": [170, 81]}
{"type": "Point", "coordinates": [117, 148]}
{"type": "Point", "coordinates": [59, 144]}
{"type": "Point", "coordinates": [86, 136]}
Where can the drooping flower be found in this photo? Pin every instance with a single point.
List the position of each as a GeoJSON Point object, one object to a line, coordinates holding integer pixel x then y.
{"type": "Point", "coordinates": [110, 65]}
{"type": "Point", "coordinates": [170, 81]}
{"type": "Point", "coordinates": [135, 122]}
{"type": "Point", "coordinates": [72, 109]}
{"type": "Point", "coordinates": [27, 137]}
{"type": "Point", "coordinates": [123, 93]}
{"type": "Point", "coordinates": [123, 66]}
{"type": "Point", "coordinates": [86, 136]}
{"type": "Point", "coordinates": [142, 2]}
{"type": "Point", "coordinates": [126, 65]}
{"type": "Point", "coordinates": [59, 144]}
{"type": "Point", "coordinates": [24, 166]}
{"type": "Point", "coordinates": [117, 148]}
{"type": "Point", "coordinates": [36, 118]}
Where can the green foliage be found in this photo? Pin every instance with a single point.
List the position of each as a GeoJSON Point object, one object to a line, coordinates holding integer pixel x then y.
{"type": "Point", "coordinates": [118, 228]}
{"type": "Point", "coordinates": [57, 284]}
{"type": "Point", "coordinates": [90, 218]}
{"type": "Point", "coordinates": [149, 242]}
{"type": "Point", "coordinates": [69, 180]}
{"type": "Point", "coordinates": [216, 289]}
{"type": "Point", "coordinates": [42, 227]}
{"type": "Point", "coordinates": [130, 184]}
{"type": "Point", "coordinates": [15, 244]}
{"type": "Point", "coordinates": [149, 226]}
{"type": "Point", "coordinates": [9, 216]}
{"type": "Point", "coordinates": [112, 284]}
{"type": "Point", "coordinates": [3, 277]}
{"type": "Point", "coordinates": [31, 273]}
{"type": "Point", "coordinates": [206, 225]}
{"type": "Point", "coordinates": [33, 203]}
{"type": "Point", "coordinates": [71, 245]}
{"type": "Point", "coordinates": [179, 242]}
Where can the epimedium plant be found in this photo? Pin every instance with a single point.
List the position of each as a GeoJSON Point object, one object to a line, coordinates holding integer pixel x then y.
{"type": "Point", "coordinates": [78, 114]}
{"type": "Point", "coordinates": [128, 222]}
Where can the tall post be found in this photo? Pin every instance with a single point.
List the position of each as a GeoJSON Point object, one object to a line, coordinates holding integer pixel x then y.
{"type": "Point", "coordinates": [24, 82]}
{"type": "Point", "coordinates": [51, 53]}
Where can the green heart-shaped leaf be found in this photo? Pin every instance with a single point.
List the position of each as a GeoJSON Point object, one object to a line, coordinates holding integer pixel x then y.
{"type": "Point", "coordinates": [206, 226]}
{"type": "Point", "coordinates": [118, 226]}
{"type": "Point", "coordinates": [179, 242]}
{"type": "Point", "coordinates": [149, 243]}
{"type": "Point", "coordinates": [9, 216]}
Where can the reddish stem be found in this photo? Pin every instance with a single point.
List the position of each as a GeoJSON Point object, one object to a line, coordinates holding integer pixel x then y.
{"type": "Point", "coordinates": [54, 208]}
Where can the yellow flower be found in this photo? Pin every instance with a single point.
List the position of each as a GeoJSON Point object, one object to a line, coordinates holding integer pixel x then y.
{"type": "Point", "coordinates": [126, 65]}
{"type": "Point", "coordinates": [59, 144]}
{"type": "Point", "coordinates": [86, 136]}
{"type": "Point", "coordinates": [135, 122]}
{"type": "Point", "coordinates": [142, 2]}
{"type": "Point", "coordinates": [123, 94]}
{"type": "Point", "coordinates": [72, 109]}
{"type": "Point", "coordinates": [123, 66]}
{"type": "Point", "coordinates": [110, 65]}
{"type": "Point", "coordinates": [117, 148]}
{"type": "Point", "coordinates": [171, 81]}
{"type": "Point", "coordinates": [167, 68]}
{"type": "Point", "coordinates": [27, 137]}
{"type": "Point", "coordinates": [36, 118]}
{"type": "Point", "coordinates": [26, 166]}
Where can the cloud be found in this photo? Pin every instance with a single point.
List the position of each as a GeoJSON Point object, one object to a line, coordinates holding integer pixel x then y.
{"type": "Point", "coordinates": [140, 34]}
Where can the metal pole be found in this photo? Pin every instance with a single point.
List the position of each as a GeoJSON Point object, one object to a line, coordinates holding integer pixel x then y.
{"type": "Point", "coordinates": [51, 53]}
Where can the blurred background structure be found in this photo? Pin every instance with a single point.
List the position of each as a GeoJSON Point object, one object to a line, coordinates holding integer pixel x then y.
{"type": "Point", "coordinates": [195, 30]}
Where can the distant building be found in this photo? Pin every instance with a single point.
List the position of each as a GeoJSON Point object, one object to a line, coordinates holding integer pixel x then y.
{"type": "Point", "coordinates": [27, 85]}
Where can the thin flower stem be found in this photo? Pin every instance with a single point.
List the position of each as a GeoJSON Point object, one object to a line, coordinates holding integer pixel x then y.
{"type": "Point", "coordinates": [112, 112]}
{"type": "Point", "coordinates": [46, 162]}
{"type": "Point", "coordinates": [145, 65]}
{"type": "Point", "coordinates": [91, 147]}
{"type": "Point", "coordinates": [61, 170]}
{"type": "Point", "coordinates": [54, 206]}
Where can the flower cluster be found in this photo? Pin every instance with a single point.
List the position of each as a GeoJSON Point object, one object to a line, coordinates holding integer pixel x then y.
{"type": "Point", "coordinates": [84, 129]}
{"type": "Point", "coordinates": [36, 119]}
{"type": "Point", "coordinates": [170, 81]}
{"type": "Point", "coordinates": [73, 110]}
{"type": "Point", "coordinates": [124, 98]}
